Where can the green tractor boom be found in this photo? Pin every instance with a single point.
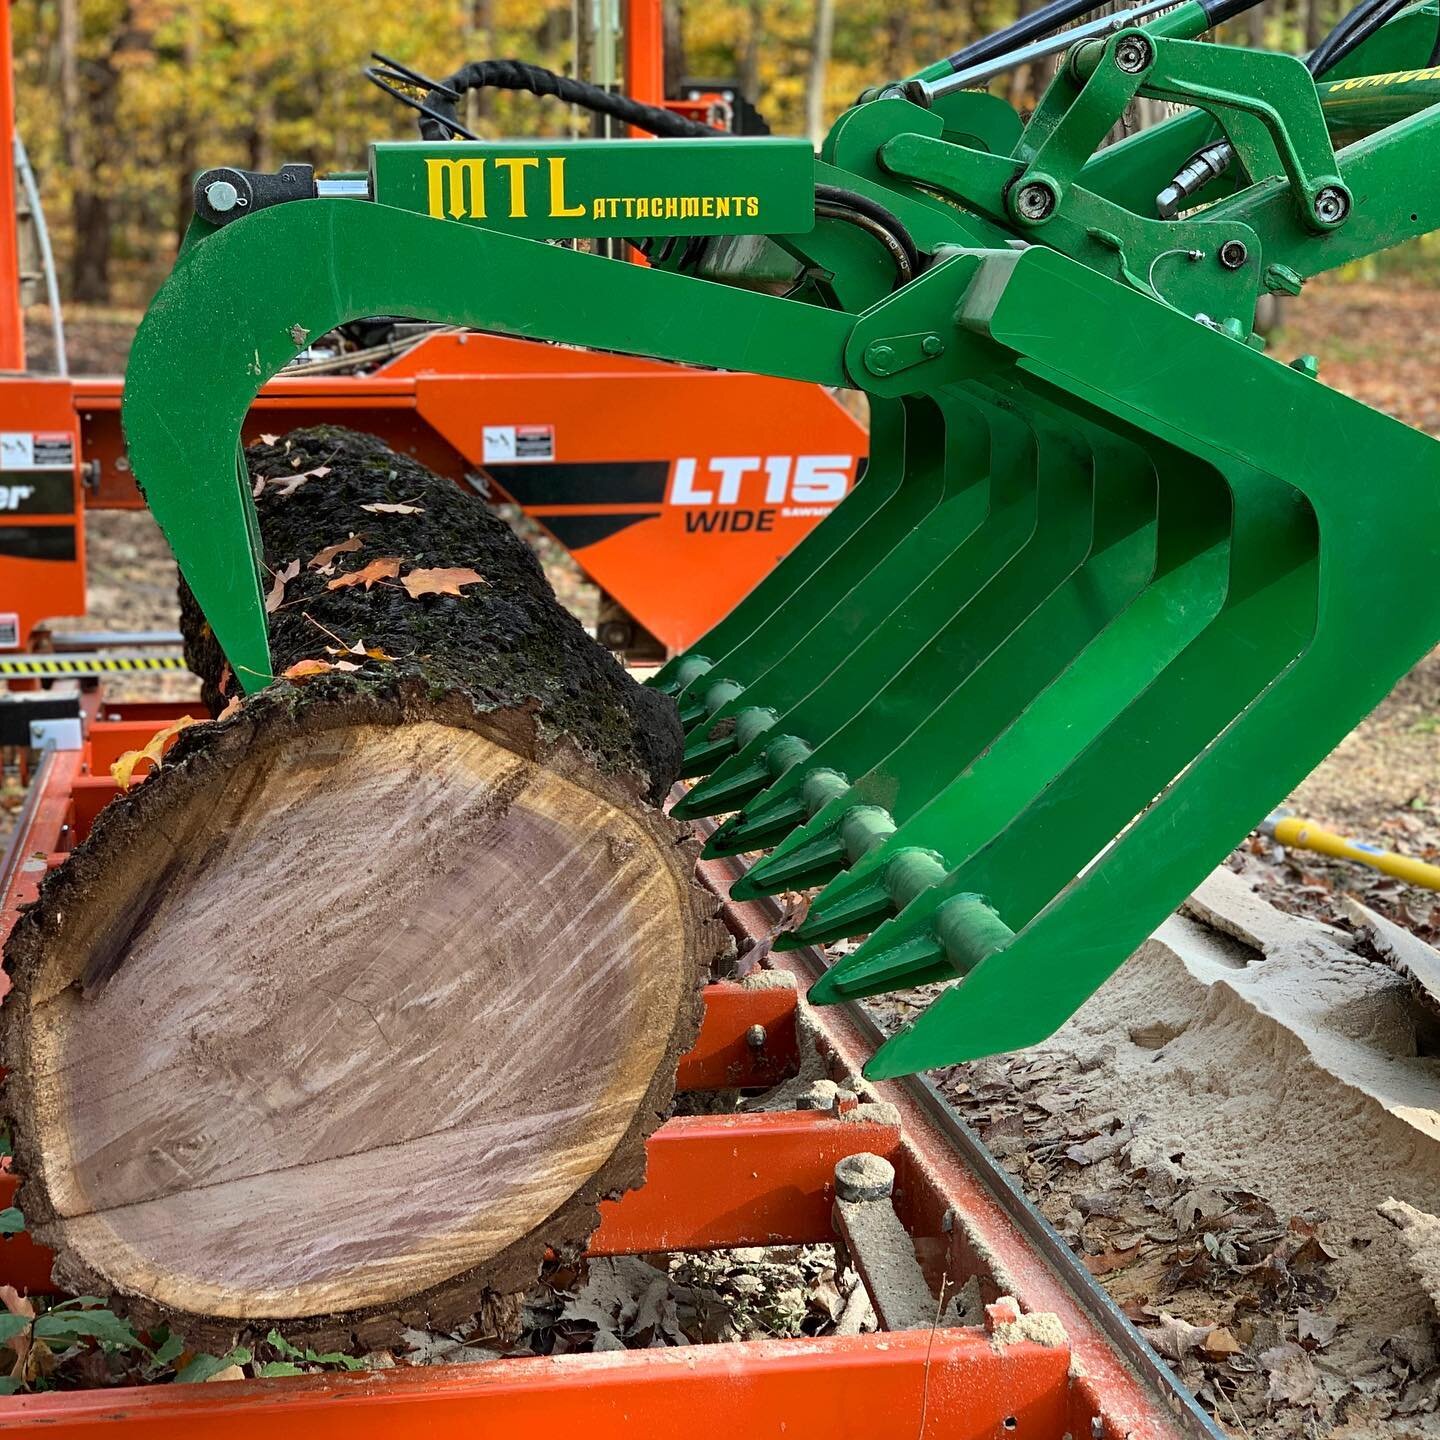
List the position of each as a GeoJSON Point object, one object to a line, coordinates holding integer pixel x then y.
{"type": "Point", "coordinates": [1110, 586]}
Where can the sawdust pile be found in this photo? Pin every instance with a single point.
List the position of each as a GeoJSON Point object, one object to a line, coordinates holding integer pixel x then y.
{"type": "Point", "coordinates": [1217, 1132]}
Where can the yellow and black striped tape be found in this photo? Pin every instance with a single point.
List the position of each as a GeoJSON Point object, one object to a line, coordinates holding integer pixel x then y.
{"type": "Point", "coordinates": [49, 667]}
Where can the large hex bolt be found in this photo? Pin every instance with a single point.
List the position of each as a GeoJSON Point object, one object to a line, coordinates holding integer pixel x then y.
{"type": "Point", "coordinates": [864, 1177]}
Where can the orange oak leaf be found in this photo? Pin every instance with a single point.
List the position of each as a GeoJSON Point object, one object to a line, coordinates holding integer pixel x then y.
{"type": "Point", "coordinates": [304, 669]}
{"type": "Point", "coordinates": [386, 568]}
{"type": "Point", "coordinates": [123, 769]}
{"type": "Point", "coordinates": [283, 576]}
{"type": "Point", "coordinates": [440, 582]}
{"type": "Point", "coordinates": [324, 561]}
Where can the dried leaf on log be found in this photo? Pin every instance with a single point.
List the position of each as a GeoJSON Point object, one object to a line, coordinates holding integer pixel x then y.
{"type": "Point", "coordinates": [440, 582]}
{"type": "Point", "coordinates": [324, 562]}
{"type": "Point", "coordinates": [283, 577]}
{"type": "Point", "coordinates": [124, 768]}
{"type": "Point", "coordinates": [386, 568]}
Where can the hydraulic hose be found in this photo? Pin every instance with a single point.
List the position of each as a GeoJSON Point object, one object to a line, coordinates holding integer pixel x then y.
{"type": "Point", "coordinates": [440, 120]}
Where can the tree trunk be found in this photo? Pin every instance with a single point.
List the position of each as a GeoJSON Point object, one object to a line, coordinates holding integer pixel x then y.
{"type": "Point", "coordinates": [362, 1001]}
{"type": "Point", "coordinates": [89, 111]}
{"type": "Point", "coordinates": [672, 29]}
{"type": "Point", "coordinates": [821, 38]}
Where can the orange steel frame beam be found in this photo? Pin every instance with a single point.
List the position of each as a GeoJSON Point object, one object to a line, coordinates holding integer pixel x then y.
{"type": "Point", "coordinates": [713, 1181]}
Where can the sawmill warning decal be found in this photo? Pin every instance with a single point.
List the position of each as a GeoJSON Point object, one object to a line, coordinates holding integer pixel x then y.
{"type": "Point", "coordinates": [605, 187]}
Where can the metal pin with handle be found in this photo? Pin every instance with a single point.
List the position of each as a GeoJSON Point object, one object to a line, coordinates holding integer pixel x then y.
{"type": "Point", "coordinates": [1301, 834]}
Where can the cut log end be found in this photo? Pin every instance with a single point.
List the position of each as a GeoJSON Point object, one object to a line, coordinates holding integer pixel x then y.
{"type": "Point", "coordinates": [352, 1011]}
{"type": "Point", "coordinates": [357, 1008]}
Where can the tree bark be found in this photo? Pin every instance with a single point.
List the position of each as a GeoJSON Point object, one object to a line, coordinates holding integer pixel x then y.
{"type": "Point", "coordinates": [368, 996]}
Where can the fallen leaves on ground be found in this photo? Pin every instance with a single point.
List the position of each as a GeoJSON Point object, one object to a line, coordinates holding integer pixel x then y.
{"type": "Point", "coordinates": [232, 705]}
{"type": "Point", "coordinates": [1108, 1260]}
{"type": "Point", "coordinates": [386, 568]}
{"type": "Point", "coordinates": [324, 561]}
{"type": "Point", "coordinates": [398, 508]}
{"type": "Point", "coordinates": [123, 769]}
{"type": "Point", "coordinates": [440, 582]}
{"type": "Point", "coordinates": [283, 576]}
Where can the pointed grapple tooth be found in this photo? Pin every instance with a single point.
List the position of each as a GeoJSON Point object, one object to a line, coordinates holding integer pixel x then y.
{"type": "Point", "coordinates": [891, 888]}
{"type": "Point", "coordinates": [700, 701]}
{"type": "Point", "coordinates": [747, 773]}
{"type": "Point", "coordinates": [815, 859]}
{"type": "Point", "coordinates": [686, 668]}
{"type": "Point", "coordinates": [703, 752]}
{"type": "Point", "coordinates": [743, 833]}
{"type": "Point", "coordinates": [715, 797]}
{"type": "Point", "coordinates": [942, 946]}
{"type": "Point", "coordinates": [761, 824]}
{"type": "Point", "coordinates": [901, 967]}
{"type": "Point", "coordinates": [799, 870]}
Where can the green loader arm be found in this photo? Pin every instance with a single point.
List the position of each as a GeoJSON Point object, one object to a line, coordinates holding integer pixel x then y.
{"type": "Point", "coordinates": [1086, 618]}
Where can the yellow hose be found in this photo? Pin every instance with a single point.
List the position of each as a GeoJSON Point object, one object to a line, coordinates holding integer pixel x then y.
{"type": "Point", "coordinates": [1306, 835]}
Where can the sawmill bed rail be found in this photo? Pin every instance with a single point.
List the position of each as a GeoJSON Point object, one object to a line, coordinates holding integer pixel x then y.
{"type": "Point", "coordinates": [750, 1178]}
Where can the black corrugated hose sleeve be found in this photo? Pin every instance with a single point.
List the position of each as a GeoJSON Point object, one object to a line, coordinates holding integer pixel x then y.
{"type": "Point", "coordinates": [517, 75]}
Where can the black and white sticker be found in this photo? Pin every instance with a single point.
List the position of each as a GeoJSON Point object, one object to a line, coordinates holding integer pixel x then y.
{"type": "Point", "coordinates": [42, 494]}
{"type": "Point", "coordinates": [9, 631]}
{"type": "Point", "coordinates": [517, 444]}
{"type": "Point", "coordinates": [37, 450]}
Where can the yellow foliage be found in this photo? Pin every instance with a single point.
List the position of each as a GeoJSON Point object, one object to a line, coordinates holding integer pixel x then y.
{"type": "Point", "coordinates": [194, 83]}
{"type": "Point", "coordinates": [123, 770]}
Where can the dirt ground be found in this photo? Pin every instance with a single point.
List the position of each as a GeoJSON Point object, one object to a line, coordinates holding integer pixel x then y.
{"type": "Point", "coordinates": [1186, 1132]}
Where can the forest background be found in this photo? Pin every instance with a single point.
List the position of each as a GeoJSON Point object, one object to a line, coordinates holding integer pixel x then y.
{"type": "Point", "coordinates": [122, 101]}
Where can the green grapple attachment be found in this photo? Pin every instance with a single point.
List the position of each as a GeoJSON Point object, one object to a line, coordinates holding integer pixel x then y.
{"type": "Point", "coordinates": [1109, 586]}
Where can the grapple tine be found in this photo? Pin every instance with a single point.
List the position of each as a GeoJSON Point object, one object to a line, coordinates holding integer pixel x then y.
{"type": "Point", "coordinates": [997, 680]}
{"type": "Point", "coordinates": [967, 561]}
{"type": "Point", "coordinates": [948, 497]}
{"type": "Point", "coordinates": [1222, 732]}
{"type": "Point", "coordinates": [875, 485]}
{"type": "Point", "coordinates": [989, 776]}
{"type": "Point", "coordinates": [891, 510]}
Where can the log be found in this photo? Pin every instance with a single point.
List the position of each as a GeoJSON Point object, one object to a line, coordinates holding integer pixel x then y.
{"type": "Point", "coordinates": [362, 1001]}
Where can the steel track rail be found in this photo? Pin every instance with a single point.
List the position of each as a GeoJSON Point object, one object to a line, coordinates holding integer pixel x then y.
{"type": "Point", "coordinates": [855, 1036]}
